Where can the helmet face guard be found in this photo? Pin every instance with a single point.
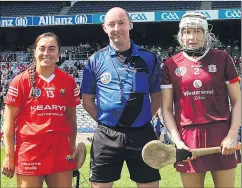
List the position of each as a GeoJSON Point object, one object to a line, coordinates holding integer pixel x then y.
{"type": "Point", "coordinates": [196, 21]}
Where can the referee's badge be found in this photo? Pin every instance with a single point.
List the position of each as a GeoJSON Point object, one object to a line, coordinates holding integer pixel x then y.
{"type": "Point", "coordinates": [106, 78]}
{"type": "Point", "coordinates": [36, 92]}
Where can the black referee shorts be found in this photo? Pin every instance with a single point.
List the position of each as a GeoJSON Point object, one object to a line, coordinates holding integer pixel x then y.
{"type": "Point", "coordinates": [112, 146]}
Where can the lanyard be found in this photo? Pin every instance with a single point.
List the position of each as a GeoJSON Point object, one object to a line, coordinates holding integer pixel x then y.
{"type": "Point", "coordinates": [119, 79]}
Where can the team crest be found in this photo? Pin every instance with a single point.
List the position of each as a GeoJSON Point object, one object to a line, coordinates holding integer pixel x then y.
{"type": "Point", "coordinates": [212, 68]}
{"type": "Point", "coordinates": [197, 83]}
{"type": "Point", "coordinates": [106, 78]}
{"type": "Point", "coordinates": [36, 92]}
{"type": "Point", "coordinates": [69, 158]}
{"type": "Point", "coordinates": [62, 91]}
{"type": "Point", "coordinates": [181, 71]}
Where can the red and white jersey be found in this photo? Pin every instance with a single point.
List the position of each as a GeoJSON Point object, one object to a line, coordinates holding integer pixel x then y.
{"type": "Point", "coordinates": [46, 111]}
{"type": "Point", "coordinates": [199, 86]}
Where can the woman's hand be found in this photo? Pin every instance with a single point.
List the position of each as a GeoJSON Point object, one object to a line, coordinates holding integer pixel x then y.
{"type": "Point", "coordinates": [8, 166]}
{"type": "Point", "coordinates": [182, 145]}
{"type": "Point", "coordinates": [229, 145]}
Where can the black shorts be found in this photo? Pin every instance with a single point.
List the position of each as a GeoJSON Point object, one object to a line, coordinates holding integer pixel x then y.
{"type": "Point", "coordinates": [112, 146]}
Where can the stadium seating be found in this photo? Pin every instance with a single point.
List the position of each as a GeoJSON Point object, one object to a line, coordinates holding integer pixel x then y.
{"type": "Point", "coordinates": [85, 123]}
{"type": "Point", "coordinates": [226, 4]}
{"type": "Point", "coordinates": [138, 6]}
{"type": "Point", "coordinates": [30, 8]}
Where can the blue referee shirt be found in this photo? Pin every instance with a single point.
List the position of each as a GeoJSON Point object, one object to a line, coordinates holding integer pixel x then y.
{"type": "Point", "coordinates": [122, 90]}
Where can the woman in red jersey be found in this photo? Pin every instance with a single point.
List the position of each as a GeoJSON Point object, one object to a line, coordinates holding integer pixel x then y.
{"type": "Point", "coordinates": [199, 80]}
{"type": "Point", "coordinates": [41, 104]}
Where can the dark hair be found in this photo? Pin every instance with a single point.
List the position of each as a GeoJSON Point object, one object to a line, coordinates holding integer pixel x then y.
{"type": "Point", "coordinates": [32, 68]}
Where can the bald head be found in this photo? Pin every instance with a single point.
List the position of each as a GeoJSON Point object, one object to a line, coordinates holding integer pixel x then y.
{"type": "Point", "coordinates": [116, 10]}
{"type": "Point", "coordinates": [117, 26]}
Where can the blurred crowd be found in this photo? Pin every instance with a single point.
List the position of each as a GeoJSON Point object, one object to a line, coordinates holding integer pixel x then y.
{"type": "Point", "coordinates": [15, 60]}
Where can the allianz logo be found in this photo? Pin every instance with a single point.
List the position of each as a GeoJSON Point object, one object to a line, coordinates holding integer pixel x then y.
{"type": "Point", "coordinates": [19, 21]}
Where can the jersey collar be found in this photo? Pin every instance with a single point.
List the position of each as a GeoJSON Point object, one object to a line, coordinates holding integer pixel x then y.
{"type": "Point", "coordinates": [135, 50]}
{"type": "Point", "coordinates": [47, 79]}
{"type": "Point", "coordinates": [195, 59]}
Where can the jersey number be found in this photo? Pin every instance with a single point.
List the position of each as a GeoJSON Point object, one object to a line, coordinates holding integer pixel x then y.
{"type": "Point", "coordinates": [50, 94]}
{"type": "Point", "coordinates": [196, 70]}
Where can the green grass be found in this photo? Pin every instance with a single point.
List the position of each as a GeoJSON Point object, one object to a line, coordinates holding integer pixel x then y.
{"type": "Point", "coordinates": [169, 177]}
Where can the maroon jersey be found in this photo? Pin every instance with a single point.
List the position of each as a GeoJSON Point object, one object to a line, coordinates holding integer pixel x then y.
{"type": "Point", "coordinates": [199, 86]}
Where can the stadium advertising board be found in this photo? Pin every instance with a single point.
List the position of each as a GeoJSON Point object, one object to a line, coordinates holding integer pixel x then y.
{"type": "Point", "coordinates": [98, 18]}
{"type": "Point", "coordinates": [142, 16]}
{"type": "Point", "coordinates": [169, 15]}
{"type": "Point", "coordinates": [46, 20]}
{"type": "Point", "coordinates": [24, 21]}
{"type": "Point", "coordinates": [134, 17]}
{"type": "Point", "coordinates": [229, 14]}
{"type": "Point", "coordinates": [210, 14]}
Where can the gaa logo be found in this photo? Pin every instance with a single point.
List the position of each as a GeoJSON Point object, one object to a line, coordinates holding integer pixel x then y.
{"type": "Point", "coordinates": [21, 21]}
{"type": "Point", "coordinates": [102, 18]}
{"type": "Point", "coordinates": [81, 19]}
{"type": "Point", "coordinates": [206, 14]}
{"type": "Point", "coordinates": [136, 17]}
{"type": "Point", "coordinates": [170, 16]}
{"type": "Point", "coordinates": [233, 14]}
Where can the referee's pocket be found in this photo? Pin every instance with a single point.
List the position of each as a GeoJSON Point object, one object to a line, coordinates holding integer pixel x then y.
{"type": "Point", "coordinates": [141, 81]}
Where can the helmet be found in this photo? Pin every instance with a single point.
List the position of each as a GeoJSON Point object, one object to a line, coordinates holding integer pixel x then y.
{"type": "Point", "coordinates": [194, 20]}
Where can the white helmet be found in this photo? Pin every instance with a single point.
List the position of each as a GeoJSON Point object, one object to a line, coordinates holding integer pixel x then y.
{"type": "Point", "coordinates": [194, 20]}
{"type": "Point", "coordinates": [198, 21]}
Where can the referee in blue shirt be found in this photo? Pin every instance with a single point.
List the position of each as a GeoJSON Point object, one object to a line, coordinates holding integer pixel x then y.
{"type": "Point", "coordinates": [124, 78]}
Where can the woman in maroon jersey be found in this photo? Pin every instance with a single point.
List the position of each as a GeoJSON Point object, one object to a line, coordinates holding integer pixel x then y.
{"type": "Point", "coordinates": [199, 80]}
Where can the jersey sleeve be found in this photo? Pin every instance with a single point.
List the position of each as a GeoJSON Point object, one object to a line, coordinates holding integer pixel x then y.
{"type": "Point", "coordinates": [75, 92]}
{"type": "Point", "coordinates": [165, 76]}
{"type": "Point", "coordinates": [155, 77]}
{"type": "Point", "coordinates": [14, 94]}
{"type": "Point", "coordinates": [89, 79]}
{"type": "Point", "coordinates": [231, 75]}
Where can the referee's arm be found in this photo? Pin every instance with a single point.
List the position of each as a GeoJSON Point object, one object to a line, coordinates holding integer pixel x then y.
{"type": "Point", "coordinates": [90, 105]}
{"type": "Point", "coordinates": [155, 94]}
{"type": "Point", "coordinates": [155, 102]}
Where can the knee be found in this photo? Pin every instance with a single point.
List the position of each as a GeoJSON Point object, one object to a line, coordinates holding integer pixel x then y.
{"type": "Point", "coordinates": [101, 185]}
{"type": "Point", "coordinates": [154, 184]}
